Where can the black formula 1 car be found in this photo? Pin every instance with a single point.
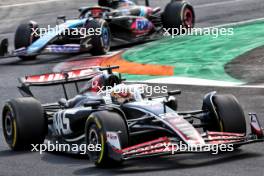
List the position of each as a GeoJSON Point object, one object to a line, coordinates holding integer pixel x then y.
{"type": "Point", "coordinates": [99, 27]}
{"type": "Point", "coordinates": [121, 120]}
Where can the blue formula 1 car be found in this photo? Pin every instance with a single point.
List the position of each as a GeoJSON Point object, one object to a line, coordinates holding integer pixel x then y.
{"type": "Point", "coordinates": [98, 27]}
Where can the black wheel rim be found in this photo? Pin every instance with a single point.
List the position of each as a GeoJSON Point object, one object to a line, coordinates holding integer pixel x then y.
{"type": "Point", "coordinates": [105, 37]}
{"type": "Point", "coordinates": [94, 139]}
{"type": "Point", "coordinates": [8, 127]}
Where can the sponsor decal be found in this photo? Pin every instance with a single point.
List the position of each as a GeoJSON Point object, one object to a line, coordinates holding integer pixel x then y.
{"type": "Point", "coordinates": [141, 26]}
{"type": "Point", "coordinates": [113, 139]}
{"type": "Point", "coordinates": [62, 48]}
{"type": "Point", "coordinates": [61, 124]}
{"type": "Point", "coordinates": [183, 128]}
{"type": "Point", "coordinates": [59, 76]}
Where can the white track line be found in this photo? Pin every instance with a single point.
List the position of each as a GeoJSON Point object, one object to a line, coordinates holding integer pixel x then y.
{"type": "Point", "coordinates": [240, 22]}
{"type": "Point", "coordinates": [218, 3]}
{"type": "Point", "coordinates": [199, 82]}
{"type": "Point", "coordinates": [48, 1]}
{"type": "Point", "coordinates": [28, 3]}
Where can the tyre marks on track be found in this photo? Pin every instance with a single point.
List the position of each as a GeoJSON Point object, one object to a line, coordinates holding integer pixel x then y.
{"type": "Point", "coordinates": [116, 59]}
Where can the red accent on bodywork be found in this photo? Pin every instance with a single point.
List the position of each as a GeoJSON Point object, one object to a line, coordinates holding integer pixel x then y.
{"type": "Point", "coordinates": [156, 146]}
{"type": "Point", "coordinates": [149, 11]}
{"type": "Point", "coordinates": [224, 142]}
{"type": "Point", "coordinates": [96, 84]}
{"type": "Point", "coordinates": [184, 132]}
{"type": "Point", "coordinates": [255, 126]}
{"type": "Point", "coordinates": [96, 12]}
{"type": "Point", "coordinates": [50, 77]}
{"type": "Point", "coordinates": [212, 133]}
{"type": "Point", "coordinates": [162, 139]}
{"type": "Point", "coordinates": [224, 137]}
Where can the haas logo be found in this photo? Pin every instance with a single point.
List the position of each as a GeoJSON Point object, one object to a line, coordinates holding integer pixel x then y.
{"type": "Point", "coordinates": [61, 124]}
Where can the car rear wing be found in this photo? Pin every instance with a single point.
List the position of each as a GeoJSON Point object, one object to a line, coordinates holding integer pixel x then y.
{"type": "Point", "coordinates": [48, 79]}
{"type": "Point", "coordinates": [58, 78]}
{"type": "Point", "coordinates": [61, 78]}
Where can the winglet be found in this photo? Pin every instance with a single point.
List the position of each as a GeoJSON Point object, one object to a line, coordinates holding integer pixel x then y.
{"type": "Point", "coordinates": [4, 47]}
{"type": "Point", "coordinates": [255, 126]}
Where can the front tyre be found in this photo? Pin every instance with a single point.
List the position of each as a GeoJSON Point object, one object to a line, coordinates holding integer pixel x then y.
{"type": "Point", "coordinates": [23, 123]}
{"type": "Point", "coordinates": [96, 128]}
{"type": "Point", "coordinates": [25, 36]}
{"type": "Point", "coordinates": [228, 115]}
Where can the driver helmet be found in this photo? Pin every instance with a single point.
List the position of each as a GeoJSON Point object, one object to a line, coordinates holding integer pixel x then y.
{"type": "Point", "coordinates": [125, 3]}
{"type": "Point", "coordinates": [122, 94]}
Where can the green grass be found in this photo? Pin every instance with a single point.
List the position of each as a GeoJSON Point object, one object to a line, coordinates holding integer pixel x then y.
{"type": "Point", "coordinates": [198, 56]}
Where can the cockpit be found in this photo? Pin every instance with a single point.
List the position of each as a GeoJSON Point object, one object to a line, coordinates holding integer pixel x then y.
{"type": "Point", "coordinates": [124, 93]}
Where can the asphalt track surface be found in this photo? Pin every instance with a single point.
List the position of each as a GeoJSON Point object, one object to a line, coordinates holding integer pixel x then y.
{"type": "Point", "coordinates": [248, 70]}
{"type": "Point", "coordinates": [247, 161]}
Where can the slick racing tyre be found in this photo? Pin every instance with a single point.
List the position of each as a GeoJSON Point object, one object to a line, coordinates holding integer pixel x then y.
{"type": "Point", "coordinates": [100, 41]}
{"type": "Point", "coordinates": [178, 14]}
{"type": "Point", "coordinates": [25, 36]}
{"type": "Point", "coordinates": [229, 115]}
{"type": "Point", "coordinates": [23, 123]}
{"type": "Point", "coordinates": [96, 128]}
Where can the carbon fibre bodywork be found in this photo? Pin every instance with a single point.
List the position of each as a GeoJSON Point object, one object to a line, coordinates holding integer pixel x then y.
{"type": "Point", "coordinates": [127, 25]}
{"type": "Point", "coordinates": [154, 127]}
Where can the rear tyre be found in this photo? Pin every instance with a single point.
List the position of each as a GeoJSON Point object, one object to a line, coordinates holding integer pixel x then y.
{"type": "Point", "coordinates": [24, 37]}
{"type": "Point", "coordinates": [230, 116]}
{"type": "Point", "coordinates": [178, 14]}
{"type": "Point", "coordinates": [101, 41]}
{"type": "Point", "coordinates": [96, 128]}
{"type": "Point", "coordinates": [23, 123]}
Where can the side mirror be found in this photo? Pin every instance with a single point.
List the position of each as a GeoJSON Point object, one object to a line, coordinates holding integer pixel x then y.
{"type": "Point", "coordinates": [109, 69]}
{"type": "Point", "coordinates": [121, 78]}
{"type": "Point", "coordinates": [174, 92]}
{"type": "Point", "coordinates": [62, 17]}
{"type": "Point", "coordinates": [172, 103]}
{"type": "Point", "coordinates": [63, 102]}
